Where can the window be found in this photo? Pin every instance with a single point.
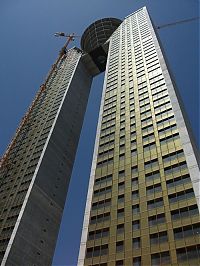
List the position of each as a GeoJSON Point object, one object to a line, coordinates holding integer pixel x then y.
{"type": "Point", "coordinates": [119, 263]}
{"type": "Point", "coordinates": [105, 162]}
{"type": "Point", "coordinates": [97, 251]}
{"type": "Point", "coordinates": [133, 135]}
{"type": "Point", "coordinates": [152, 176]}
{"type": "Point", "coordinates": [103, 179]}
{"type": "Point", "coordinates": [135, 194]}
{"type": "Point", "coordinates": [188, 253]}
{"type": "Point", "coordinates": [156, 219]}
{"type": "Point", "coordinates": [185, 212]}
{"type": "Point", "coordinates": [103, 250]}
{"type": "Point", "coordinates": [120, 213]}
{"type": "Point", "coordinates": [119, 246]}
{"type": "Point", "coordinates": [121, 174]}
{"type": "Point", "coordinates": [155, 203]}
{"type": "Point", "coordinates": [104, 153]}
{"type": "Point", "coordinates": [182, 195]}
{"type": "Point", "coordinates": [161, 114]}
{"type": "Point", "coordinates": [143, 91]}
{"type": "Point", "coordinates": [122, 139]}
{"type": "Point", "coordinates": [133, 143]}
{"type": "Point", "coordinates": [134, 182]}
{"type": "Point", "coordinates": [108, 129]}
{"type": "Point", "coordinates": [136, 242]}
{"type": "Point", "coordinates": [175, 168]}
{"type": "Point", "coordinates": [106, 144]}
{"type": "Point", "coordinates": [160, 88]}
{"type": "Point", "coordinates": [187, 231]}
{"type": "Point", "coordinates": [135, 209]}
{"type": "Point", "coordinates": [154, 189]}
{"type": "Point", "coordinates": [121, 199]}
{"type": "Point", "coordinates": [137, 261]}
{"type": "Point", "coordinates": [173, 156]}
{"type": "Point", "coordinates": [89, 252]}
{"type": "Point", "coordinates": [149, 146]}
{"type": "Point", "coordinates": [134, 152]}
{"type": "Point", "coordinates": [180, 180]}
{"type": "Point", "coordinates": [144, 95]}
{"type": "Point", "coordinates": [134, 170]}
{"type": "Point", "coordinates": [151, 164]}
{"type": "Point", "coordinates": [163, 97]}
{"type": "Point", "coordinates": [165, 121]}
{"type": "Point", "coordinates": [102, 191]}
{"type": "Point", "coordinates": [98, 234]}
{"type": "Point", "coordinates": [136, 225]}
{"type": "Point", "coordinates": [122, 156]}
{"type": "Point", "coordinates": [107, 136]}
{"type": "Point", "coordinates": [122, 148]}
{"type": "Point", "coordinates": [121, 186]}
{"type": "Point", "coordinates": [101, 204]}
{"type": "Point", "coordinates": [104, 232]}
{"type": "Point", "coordinates": [145, 107]}
{"type": "Point", "coordinates": [156, 85]}
{"type": "Point", "coordinates": [150, 137]}
{"type": "Point", "coordinates": [120, 228]}
{"type": "Point", "coordinates": [146, 121]}
{"type": "Point", "coordinates": [122, 131]}
{"type": "Point", "coordinates": [158, 238]}
{"type": "Point", "coordinates": [167, 130]}
{"type": "Point", "coordinates": [160, 258]}
{"type": "Point", "coordinates": [169, 139]}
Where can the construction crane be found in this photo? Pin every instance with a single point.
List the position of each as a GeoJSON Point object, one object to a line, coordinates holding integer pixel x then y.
{"type": "Point", "coordinates": [42, 91]}
{"type": "Point", "coordinates": [176, 22]}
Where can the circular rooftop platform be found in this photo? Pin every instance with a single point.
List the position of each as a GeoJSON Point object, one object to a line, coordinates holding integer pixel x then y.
{"type": "Point", "coordinates": [98, 33]}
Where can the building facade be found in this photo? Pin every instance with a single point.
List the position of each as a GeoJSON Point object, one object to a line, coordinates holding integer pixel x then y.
{"type": "Point", "coordinates": [143, 195]}
{"type": "Point", "coordinates": [35, 177]}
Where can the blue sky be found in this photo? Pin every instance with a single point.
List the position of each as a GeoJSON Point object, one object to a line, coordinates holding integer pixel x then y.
{"type": "Point", "coordinates": [28, 48]}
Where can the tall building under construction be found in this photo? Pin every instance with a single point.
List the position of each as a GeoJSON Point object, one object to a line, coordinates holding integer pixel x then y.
{"type": "Point", "coordinates": [143, 195]}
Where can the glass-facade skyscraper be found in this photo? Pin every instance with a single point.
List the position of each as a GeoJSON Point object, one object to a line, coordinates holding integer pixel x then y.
{"type": "Point", "coordinates": [143, 196]}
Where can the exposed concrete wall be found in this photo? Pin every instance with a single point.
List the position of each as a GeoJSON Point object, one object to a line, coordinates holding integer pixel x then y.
{"type": "Point", "coordinates": [34, 236]}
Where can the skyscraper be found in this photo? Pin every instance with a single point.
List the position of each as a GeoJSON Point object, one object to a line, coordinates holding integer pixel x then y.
{"type": "Point", "coordinates": [143, 192]}
{"type": "Point", "coordinates": [36, 171]}
{"type": "Point", "coordinates": [143, 196]}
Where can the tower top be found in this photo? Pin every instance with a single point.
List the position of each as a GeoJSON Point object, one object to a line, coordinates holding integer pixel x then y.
{"type": "Point", "coordinates": [98, 33]}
